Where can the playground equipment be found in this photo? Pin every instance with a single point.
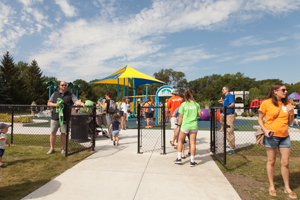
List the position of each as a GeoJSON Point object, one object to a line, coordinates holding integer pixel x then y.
{"type": "Point", "coordinates": [243, 95]}
{"type": "Point", "coordinates": [123, 77]}
{"type": "Point", "coordinates": [256, 103]}
{"type": "Point", "coordinates": [294, 96]}
{"type": "Point", "coordinates": [205, 115]}
{"type": "Point", "coordinates": [163, 91]}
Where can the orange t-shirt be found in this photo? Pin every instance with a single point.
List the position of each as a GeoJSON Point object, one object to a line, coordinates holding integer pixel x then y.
{"type": "Point", "coordinates": [280, 125]}
{"type": "Point", "coordinates": [174, 102]}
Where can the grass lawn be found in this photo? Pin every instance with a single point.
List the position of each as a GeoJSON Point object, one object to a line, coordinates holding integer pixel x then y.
{"type": "Point", "coordinates": [28, 167]}
{"type": "Point", "coordinates": [247, 173]}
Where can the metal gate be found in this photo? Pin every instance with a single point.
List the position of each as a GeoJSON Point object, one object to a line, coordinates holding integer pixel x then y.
{"type": "Point", "coordinates": [81, 128]}
{"type": "Point", "coordinates": [218, 133]}
{"type": "Point", "coordinates": [151, 138]}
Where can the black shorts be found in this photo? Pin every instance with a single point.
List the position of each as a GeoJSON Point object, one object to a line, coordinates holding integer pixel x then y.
{"type": "Point", "coordinates": [121, 113]}
{"type": "Point", "coordinates": [149, 115]}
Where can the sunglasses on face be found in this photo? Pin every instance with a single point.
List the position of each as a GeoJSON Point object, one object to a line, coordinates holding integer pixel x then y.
{"type": "Point", "coordinates": [63, 85]}
{"type": "Point", "coordinates": [283, 90]}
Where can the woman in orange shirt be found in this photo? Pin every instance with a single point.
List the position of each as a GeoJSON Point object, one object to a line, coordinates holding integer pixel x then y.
{"type": "Point", "coordinates": [276, 133]}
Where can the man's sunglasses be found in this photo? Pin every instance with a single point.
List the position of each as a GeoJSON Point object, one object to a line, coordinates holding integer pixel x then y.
{"type": "Point", "coordinates": [283, 90]}
{"type": "Point", "coordinates": [64, 85]}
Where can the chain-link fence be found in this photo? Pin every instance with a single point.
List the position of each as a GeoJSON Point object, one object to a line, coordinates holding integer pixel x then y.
{"type": "Point", "coordinates": [31, 126]}
{"type": "Point", "coordinates": [240, 132]}
{"type": "Point", "coordinates": [151, 134]}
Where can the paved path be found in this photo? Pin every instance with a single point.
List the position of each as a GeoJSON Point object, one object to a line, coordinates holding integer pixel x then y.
{"type": "Point", "coordinates": [120, 173]}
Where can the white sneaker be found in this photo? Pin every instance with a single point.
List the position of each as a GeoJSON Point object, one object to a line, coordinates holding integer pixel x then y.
{"type": "Point", "coordinates": [50, 151]}
{"type": "Point", "coordinates": [62, 151]}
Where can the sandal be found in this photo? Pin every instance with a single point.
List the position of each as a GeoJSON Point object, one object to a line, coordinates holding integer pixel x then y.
{"type": "Point", "coordinates": [291, 194]}
{"type": "Point", "coordinates": [272, 193]}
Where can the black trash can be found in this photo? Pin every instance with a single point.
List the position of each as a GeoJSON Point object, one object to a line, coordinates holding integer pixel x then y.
{"type": "Point", "coordinates": [80, 127]}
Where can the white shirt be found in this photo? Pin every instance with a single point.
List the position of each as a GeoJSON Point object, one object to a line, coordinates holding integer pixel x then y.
{"type": "Point", "coordinates": [2, 142]}
{"type": "Point", "coordinates": [124, 107]}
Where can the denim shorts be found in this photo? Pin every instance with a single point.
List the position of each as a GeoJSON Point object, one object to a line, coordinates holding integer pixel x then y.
{"type": "Point", "coordinates": [115, 133]}
{"type": "Point", "coordinates": [1, 152]}
{"type": "Point", "coordinates": [275, 142]}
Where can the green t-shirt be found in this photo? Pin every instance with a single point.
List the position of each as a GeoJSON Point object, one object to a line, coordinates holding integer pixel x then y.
{"type": "Point", "coordinates": [190, 112]}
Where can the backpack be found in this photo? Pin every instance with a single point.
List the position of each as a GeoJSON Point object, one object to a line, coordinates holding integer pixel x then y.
{"type": "Point", "coordinates": [113, 108]}
{"type": "Point", "coordinates": [150, 108]}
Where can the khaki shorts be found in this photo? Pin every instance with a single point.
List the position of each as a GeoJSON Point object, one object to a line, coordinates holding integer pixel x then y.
{"type": "Point", "coordinates": [174, 121]}
{"type": "Point", "coordinates": [187, 131]}
{"type": "Point", "coordinates": [54, 125]}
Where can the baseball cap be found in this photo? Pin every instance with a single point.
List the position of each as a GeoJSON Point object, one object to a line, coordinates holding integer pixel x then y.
{"type": "Point", "coordinates": [2, 125]}
{"type": "Point", "coordinates": [174, 91]}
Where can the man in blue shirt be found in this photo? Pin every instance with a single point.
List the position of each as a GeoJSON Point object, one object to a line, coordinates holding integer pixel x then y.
{"type": "Point", "coordinates": [229, 102]}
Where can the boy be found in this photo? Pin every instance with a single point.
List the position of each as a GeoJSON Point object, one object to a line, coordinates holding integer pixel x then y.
{"type": "Point", "coordinates": [3, 140]}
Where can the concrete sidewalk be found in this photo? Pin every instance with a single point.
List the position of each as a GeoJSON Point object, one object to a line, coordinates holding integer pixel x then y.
{"type": "Point", "coordinates": [120, 173]}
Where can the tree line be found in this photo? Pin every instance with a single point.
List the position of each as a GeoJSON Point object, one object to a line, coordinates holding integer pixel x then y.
{"type": "Point", "coordinates": [23, 83]}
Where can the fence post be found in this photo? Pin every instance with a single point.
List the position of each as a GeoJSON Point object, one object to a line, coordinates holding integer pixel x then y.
{"type": "Point", "coordinates": [212, 123]}
{"type": "Point", "coordinates": [164, 129]}
{"type": "Point", "coordinates": [225, 133]}
{"type": "Point", "coordinates": [94, 126]}
{"type": "Point", "coordinates": [68, 129]}
{"type": "Point", "coordinates": [12, 125]}
{"type": "Point", "coordinates": [139, 127]}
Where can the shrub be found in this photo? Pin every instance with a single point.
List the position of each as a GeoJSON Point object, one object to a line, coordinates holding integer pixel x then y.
{"type": "Point", "coordinates": [26, 119]}
{"type": "Point", "coordinates": [244, 114]}
{"type": "Point", "coordinates": [251, 114]}
{"type": "Point", "coordinates": [7, 118]}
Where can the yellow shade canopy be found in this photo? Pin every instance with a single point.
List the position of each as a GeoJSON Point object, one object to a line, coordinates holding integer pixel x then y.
{"type": "Point", "coordinates": [127, 73]}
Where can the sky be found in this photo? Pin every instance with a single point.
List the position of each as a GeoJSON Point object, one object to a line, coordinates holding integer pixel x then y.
{"type": "Point", "coordinates": [91, 39]}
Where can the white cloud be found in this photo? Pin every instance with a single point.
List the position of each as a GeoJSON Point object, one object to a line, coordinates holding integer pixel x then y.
{"type": "Point", "coordinates": [29, 2]}
{"type": "Point", "coordinates": [226, 58]}
{"type": "Point", "coordinates": [5, 15]}
{"type": "Point", "coordinates": [102, 43]}
{"type": "Point", "coordinates": [39, 27]}
{"type": "Point", "coordinates": [33, 15]}
{"type": "Point", "coordinates": [252, 40]}
{"type": "Point", "coordinates": [12, 37]}
{"type": "Point", "coordinates": [264, 54]}
{"type": "Point", "coordinates": [67, 9]}
{"type": "Point", "coordinates": [272, 6]}
{"type": "Point", "coordinates": [57, 19]}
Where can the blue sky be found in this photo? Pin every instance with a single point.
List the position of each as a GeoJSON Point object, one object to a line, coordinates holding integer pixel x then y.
{"type": "Point", "coordinates": [91, 39]}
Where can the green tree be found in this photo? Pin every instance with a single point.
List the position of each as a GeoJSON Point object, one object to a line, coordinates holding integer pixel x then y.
{"type": "Point", "coordinates": [173, 78]}
{"type": "Point", "coordinates": [11, 76]}
{"type": "Point", "coordinates": [205, 88]}
{"type": "Point", "coordinates": [86, 91]}
{"type": "Point", "coordinates": [3, 93]}
{"type": "Point", "coordinates": [35, 84]}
